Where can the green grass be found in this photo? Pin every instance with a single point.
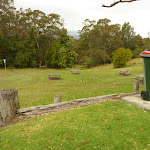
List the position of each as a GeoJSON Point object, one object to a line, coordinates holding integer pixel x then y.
{"type": "Point", "coordinates": [34, 88]}
{"type": "Point", "coordinates": [113, 125]}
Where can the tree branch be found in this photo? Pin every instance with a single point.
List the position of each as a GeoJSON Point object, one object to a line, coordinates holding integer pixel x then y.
{"type": "Point", "coordinates": [119, 1]}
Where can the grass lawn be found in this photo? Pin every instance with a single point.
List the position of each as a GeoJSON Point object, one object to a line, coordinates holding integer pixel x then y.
{"type": "Point", "coordinates": [112, 125]}
{"type": "Point", "coordinates": [34, 88]}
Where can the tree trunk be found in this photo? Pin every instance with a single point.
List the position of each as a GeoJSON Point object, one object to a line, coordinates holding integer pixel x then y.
{"type": "Point", "coordinates": [9, 103]}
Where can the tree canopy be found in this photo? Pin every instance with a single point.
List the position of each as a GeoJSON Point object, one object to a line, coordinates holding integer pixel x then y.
{"type": "Point", "coordinates": [27, 35]}
{"type": "Point", "coordinates": [31, 38]}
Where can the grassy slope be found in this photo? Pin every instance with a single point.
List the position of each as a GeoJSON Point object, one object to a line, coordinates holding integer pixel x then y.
{"type": "Point", "coordinates": [34, 88]}
{"type": "Point", "coordinates": [108, 125]}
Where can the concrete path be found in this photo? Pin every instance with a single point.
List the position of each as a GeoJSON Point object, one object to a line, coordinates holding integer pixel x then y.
{"type": "Point", "coordinates": [137, 100]}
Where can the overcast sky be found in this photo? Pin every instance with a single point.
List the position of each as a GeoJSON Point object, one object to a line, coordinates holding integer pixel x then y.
{"type": "Point", "coordinates": [74, 12]}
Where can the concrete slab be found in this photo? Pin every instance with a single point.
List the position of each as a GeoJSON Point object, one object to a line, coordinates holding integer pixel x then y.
{"type": "Point", "coordinates": [137, 100]}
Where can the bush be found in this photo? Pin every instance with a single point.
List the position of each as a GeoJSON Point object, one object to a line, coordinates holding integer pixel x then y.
{"type": "Point", "coordinates": [121, 56]}
{"type": "Point", "coordinates": [88, 62]}
{"type": "Point", "coordinates": [99, 56]}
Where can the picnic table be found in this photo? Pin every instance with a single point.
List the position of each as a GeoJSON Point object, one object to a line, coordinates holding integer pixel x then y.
{"type": "Point", "coordinates": [75, 71]}
{"type": "Point", "coordinates": [124, 72]}
{"type": "Point", "coordinates": [139, 80]}
{"type": "Point", "coordinates": [42, 67]}
{"type": "Point", "coordinates": [54, 76]}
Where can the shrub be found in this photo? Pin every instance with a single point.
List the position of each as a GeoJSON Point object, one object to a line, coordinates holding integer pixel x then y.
{"type": "Point", "coordinates": [121, 56]}
{"type": "Point", "coordinates": [88, 62]}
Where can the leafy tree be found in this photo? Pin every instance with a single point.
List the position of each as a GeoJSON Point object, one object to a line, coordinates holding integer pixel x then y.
{"type": "Point", "coordinates": [137, 45]}
{"type": "Point", "coordinates": [136, 42]}
{"type": "Point", "coordinates": [121, 56]}
{"type": "Point", "coordinates": [146, 43]}
{"type": "Point", "coordinates": [127, 34]}
{"type": "Point", "coordinates": [52, 55]}
{"type": "Point", "coordinates": [26, 35]}
{"type": "Point", "coordinates": [28, 38]}
{"type": "Point", "coordinates": [61, 54]}
{"type": "Point", "coordinates": [98, 41]}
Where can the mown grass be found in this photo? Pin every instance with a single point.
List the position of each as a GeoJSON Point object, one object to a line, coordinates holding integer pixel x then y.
{"type": "Point", "coordinates": [34, 88]}
{"type": "Point", "coordinates": [110, 125]}
{"type": "Point", "coordinates": [113, 125]}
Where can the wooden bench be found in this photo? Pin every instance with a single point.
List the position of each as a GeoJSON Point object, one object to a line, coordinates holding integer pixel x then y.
{"type": "Point", "coordinates": [139, 80]}
{"type": "Point", "coordinates": [75, 71]}
{"type": "Point", "coordinates": [42, 67]}
{"type": "Point", "coordinates": [53, 76]}
{"type": "Point", "coordinates": [124, 72]}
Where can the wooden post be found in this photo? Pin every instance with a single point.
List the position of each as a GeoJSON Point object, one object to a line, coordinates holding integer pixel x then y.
{"type": "Point", "coordinates": [9, 103]}
{"type": "Point", "coordinates": [57, 99]}
{"type": "Point", "coordinates": [136, 86]}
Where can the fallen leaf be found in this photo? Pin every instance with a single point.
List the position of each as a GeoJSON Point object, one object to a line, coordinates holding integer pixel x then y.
{"type": "Point", "coordinates": [69, 138]}
{"type": "Point", "coordinates": [141, 129]}
{"type": "Point", "coordinates": [103, 127]}
{"type": "Point", "coordinates": [83, 143]}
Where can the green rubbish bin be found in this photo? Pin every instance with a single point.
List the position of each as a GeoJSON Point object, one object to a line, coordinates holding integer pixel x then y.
{"type": "Point", "coordinates": [146, 67]}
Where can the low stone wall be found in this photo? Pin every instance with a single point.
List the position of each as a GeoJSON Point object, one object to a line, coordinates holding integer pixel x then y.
{"type": "Point", "coordinates": [9, 103]}
{"type": "Point", "coordinates": [38, 110]}
{"type": "Point", "coordinates": [23, 114]}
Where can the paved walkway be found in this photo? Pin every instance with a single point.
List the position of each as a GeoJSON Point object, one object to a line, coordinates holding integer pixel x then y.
{"type": "Point", "coordinates": [137, 100]}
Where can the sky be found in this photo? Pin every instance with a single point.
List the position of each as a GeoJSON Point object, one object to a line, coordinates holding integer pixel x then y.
{"type": "Point", "coordinates": [74, 12]}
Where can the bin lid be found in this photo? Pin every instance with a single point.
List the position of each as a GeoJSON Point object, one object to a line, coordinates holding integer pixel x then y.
{"type": "Point", "coordinates": [145, 53]}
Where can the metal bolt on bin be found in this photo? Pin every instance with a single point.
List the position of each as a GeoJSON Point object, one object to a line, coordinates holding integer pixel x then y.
{"type": "Point", "coordinates": [146, 67]}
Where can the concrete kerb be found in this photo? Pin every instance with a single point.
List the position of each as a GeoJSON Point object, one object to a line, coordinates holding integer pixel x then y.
{"type": "Point", "coordinates": [137, 101]}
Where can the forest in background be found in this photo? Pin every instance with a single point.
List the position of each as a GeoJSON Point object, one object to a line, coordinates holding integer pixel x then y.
{"type": "Point", "coordinates": [31, 38]}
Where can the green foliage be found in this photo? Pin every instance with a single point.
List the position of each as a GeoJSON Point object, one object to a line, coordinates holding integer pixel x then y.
{"type": "Point", "coordinates": [136, 43]}
{"type": "Point", "coordinates": [136, 52]}
{"type": "Point", "coordinates": [21, 60]}
{"type": "Point", "coordinates": [127, 34]}
{"type": "Point", "coordinates": [29, 38]}
{"type": "Point", "coordinates": [52, 55]}
{"type": "Point", "coordinates": [1, 62]}
{"type": "Point", "coordinates": [146, 42]}
{"type": "Point", "coordinates": [88, 62]}
{"type": "Point", "coordinates": [121, 56]}
{"type": "Point", "coordinates": [25, 35]}
{"type": "Point", "coordinates": [99, 56]}
{"type": "Point", "coordinates": [60, 56]}
{"type": "Point", "coordinates": [98, 41]}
